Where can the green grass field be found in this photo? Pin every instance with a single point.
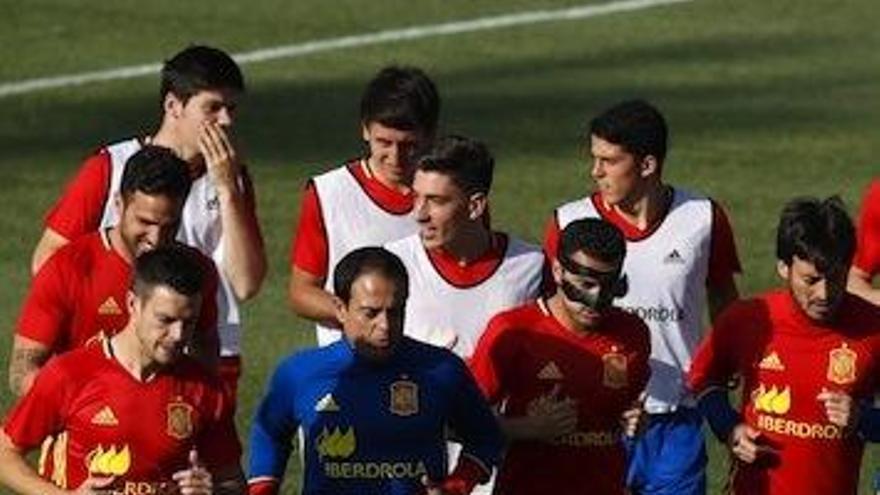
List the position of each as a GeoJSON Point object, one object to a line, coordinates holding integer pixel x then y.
{"type": "Point", "coordinates": [767, 99]}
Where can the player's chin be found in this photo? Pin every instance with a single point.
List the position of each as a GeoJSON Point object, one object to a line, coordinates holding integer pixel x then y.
{"type": "Point", "coordinates": [167, 354]}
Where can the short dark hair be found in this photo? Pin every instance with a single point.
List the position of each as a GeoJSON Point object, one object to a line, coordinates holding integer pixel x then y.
{"type": "Point", "coordinates": [816, 230]}
{"type": "Point", "coordinates": [175, 266]}
{"type": "Point", "coordinates": [369, 260]}
{"type": "Point", "coordinates": [199, 68]}
{"type": "Point", "coordinates": [635, 125]}
{"type": "Point", "coordinates": [595, 237]}
{"type": "Point", "coordinates": [467, 162]}
{"type": "Point", "coordinates": [401, 98]}
{"type": "Point", "coordinates": [154, 170]}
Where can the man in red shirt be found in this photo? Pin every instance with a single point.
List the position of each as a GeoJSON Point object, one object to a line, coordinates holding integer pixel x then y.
{"type": "Point", "coordinates": [866, 263]}
{"type": "Point", "coordinates": [130, 413]}
{"type": "Point", "coordinates": [80, 292]}
{"type": "Point", "coordinates": [199, 93]}
{"type": "Point", "coordinates": [805, 355]}
{"type": "Point", "coordinates": [566, 369]}
{"type": "Point", "coordinates": [368, 201]}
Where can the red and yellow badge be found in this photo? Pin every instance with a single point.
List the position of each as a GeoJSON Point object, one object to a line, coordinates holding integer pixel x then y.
{"type": "Point", "coordinates": [179, 421]}
{"type": "Point", "coordinates": [614, 369]}
{"type": "Point", "coordinates": [842, 365]}
{"type": "Point", "coordinates": [404, 397]}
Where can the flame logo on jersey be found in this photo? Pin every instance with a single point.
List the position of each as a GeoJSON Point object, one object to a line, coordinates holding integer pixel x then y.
{"type": "Point", "coordinates": [772, 401]}
{"type": "Point", "coordinates": [842, 365]}
{"type": "Point", "coordinates": [110, 462]}
{"type": "Point", "coordinates": [336, 443]}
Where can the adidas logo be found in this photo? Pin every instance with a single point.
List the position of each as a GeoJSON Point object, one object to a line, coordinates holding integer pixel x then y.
{"type": "Point", "coordinates": [327, 404]}
{"type": "Point", "coordinates": [105, 417]}
{"type": "Point", "coordinates": [673, 257]}
{"type": "Point", "coordinates": [109, 307]}
{"type": "Point", "coordinates": [771, 362]}
{"type": "Point", "coordinates": [550, 372]}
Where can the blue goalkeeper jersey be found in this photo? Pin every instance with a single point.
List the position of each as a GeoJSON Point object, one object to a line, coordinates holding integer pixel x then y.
{"type": "Point", "coordinates": [371, 428]}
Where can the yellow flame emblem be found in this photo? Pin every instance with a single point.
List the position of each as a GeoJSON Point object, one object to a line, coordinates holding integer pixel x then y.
{"type": "Point", "coordinates": [110, 462]}
{"type": "Point", "coordinates": [337, 443]}
{"type": "Point", "coordinates": [773, 400]}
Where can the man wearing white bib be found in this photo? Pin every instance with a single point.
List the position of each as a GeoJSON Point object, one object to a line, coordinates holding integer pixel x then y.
{"type": "Point", "coordinates": [367, 201]}
{"type": "Point", "coordinates": [680, 255]}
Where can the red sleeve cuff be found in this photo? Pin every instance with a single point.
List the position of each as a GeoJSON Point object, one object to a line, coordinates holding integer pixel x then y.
{"type": "Point", "coordinates": [263, 486]}
{"type": "Point", "coordinates": [467, 474]}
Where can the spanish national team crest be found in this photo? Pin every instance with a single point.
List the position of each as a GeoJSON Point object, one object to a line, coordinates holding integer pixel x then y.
{"type": "Point", "coordinates": [842, 365]}
{"type": "Point", "coordinates": [614, 369]}
{"type": "Point", "coordinates": [404, 397]}
{"type": "Point", "coordinates": [180, 422]}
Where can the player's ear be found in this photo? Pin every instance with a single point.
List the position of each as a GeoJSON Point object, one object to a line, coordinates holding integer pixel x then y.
{"type": "Point", "coordinates": [783, 269]}
{"type": "Point", "coordinates": [172, 106]}
{"type": "Point", "coordinates": [118, 204]}
{"type": "Point", "coordinates": [556, 269]}
{"type": "Point", "coordinates": [365, 131]}
{"type": "Point", "coordinates": [478, 204]}
{"type": "Point", "coordinates": [341, 310]}
{"type": "Point", "coordinates": [131, 301]}
{"type": "Point", "coordinates": [649, 166]}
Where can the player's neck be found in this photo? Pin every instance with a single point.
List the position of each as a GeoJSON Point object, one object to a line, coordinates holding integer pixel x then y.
{"type": "Point", "coordinates": [118, 245]}
{"type": "Point", "coordinates": [644, 209]}
{"type": "Point", "coordinates": [127, 349]}
{"type": "Point", "coordinates": [471, 244]}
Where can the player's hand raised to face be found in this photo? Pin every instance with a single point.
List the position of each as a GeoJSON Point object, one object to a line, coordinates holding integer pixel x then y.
{"type": "Point", "coordinates": [745, 445]}
{"type": "Point", "coordinates": [95, 485]}
{"type": "Point", "coordinates": [195, 480]}
{"type": "Point", "coordinates": [221, 158]}
{"type": "Point", "coordinates": [839, 408]}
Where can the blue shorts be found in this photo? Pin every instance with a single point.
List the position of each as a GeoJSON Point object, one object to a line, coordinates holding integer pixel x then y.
{"type": "Point", "coordinates": [669, 457]}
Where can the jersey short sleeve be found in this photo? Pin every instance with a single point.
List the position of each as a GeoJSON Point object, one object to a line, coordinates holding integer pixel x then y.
{"type": "Point", "coordinates": [309, 247]}
{"type": "Point", "coordinates": [867, 256]}
{"type": "Point", "coordinates": [218, 444]}
{"type": "Point", "coordinates": [717, 359]}
{"type": "Point", "coordinates": [40, 412]}
{"type": "Point", "coordinates": [486, 364]}
{"type": "Point", "coordinates": [723, 257]}
{"type": "Point", "coordinates": [48, 306]}
{"type": "Point", "coordinates": [78, 211]}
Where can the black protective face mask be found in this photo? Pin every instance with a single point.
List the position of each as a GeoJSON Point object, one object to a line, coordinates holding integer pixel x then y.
{"type": "Point", "coordinates": [611, 286]}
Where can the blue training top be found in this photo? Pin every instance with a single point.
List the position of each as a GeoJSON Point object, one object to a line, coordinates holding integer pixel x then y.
{"type": "Point", "coordinates": [369, 427]}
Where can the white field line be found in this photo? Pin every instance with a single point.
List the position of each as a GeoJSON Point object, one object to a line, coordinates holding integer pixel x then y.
{"type": "Point", "coordinates": [317, 46]}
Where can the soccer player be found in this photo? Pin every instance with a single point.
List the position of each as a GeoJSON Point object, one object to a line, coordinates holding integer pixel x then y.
{"type": "Point", "coordinates": [866, 263]}
{"type": "Point", "coordinates": [805, 355]}
{"type": "Point", "coordinates": [680, 254]}
{"type": "Point", "coordinates": [368, 201]}
{"type": "Point", "coordinates": [374, 405]}
{"type": "Point", "coordinates": [566, 369]}
{"type": "Point", "coordinates": [79, 293]}
{"type": "Point", "coordinates": [130, 413]}
{"type": "Point", "coordinates": [199, 94]}
{"type": "Point", "coordinates": [461, 272]}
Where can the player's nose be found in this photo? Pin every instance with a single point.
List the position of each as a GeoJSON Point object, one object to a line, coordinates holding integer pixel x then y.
{"type": "Point", "coordinates": [224, 117]}
{"type": "Point", "coordinates": [597, 170]}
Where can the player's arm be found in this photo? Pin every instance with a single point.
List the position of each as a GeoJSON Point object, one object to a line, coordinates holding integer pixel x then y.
{"type": "Point", "coordinates": [25, 360]}
{"type": "Point", "coordinates": [78, 211]}
{"type": "Point", "coordinates": [244, 262]}
{"type": "Point", "coordinates": [309, 257]}
{"type": "Point", "coordinates": [272, 431]}
{"type": "Point", "coordinates": [724, 264]}
{"type": "Point", "coordinates": [867, 257]}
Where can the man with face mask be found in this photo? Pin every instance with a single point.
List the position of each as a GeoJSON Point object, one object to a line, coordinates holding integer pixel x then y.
{"type": "Point", "coordinates": [566, 369]}
{"type": "Point", "coordinates": [374, 405]}
{"type": "Point", "coordinates": [806, 357]}
{"type": "Point", "coordinates": [79, 293]}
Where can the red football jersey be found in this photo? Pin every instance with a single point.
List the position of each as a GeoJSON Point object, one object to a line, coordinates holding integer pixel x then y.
{"type": "Point", "coordinates": [80, 293]}
{"type": "Point", "coordinates": [524, 354]}
{"type": "Point", "coordinates": [309, 249]}
{"type": "Point", "coordinates": [104, 422]}
{"type": "Point", "coordinates": [78, 211]}
{"type": "Point", "coordinates": [868, 253]}
{"type": "Point", "coordinates": [785, 360]}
